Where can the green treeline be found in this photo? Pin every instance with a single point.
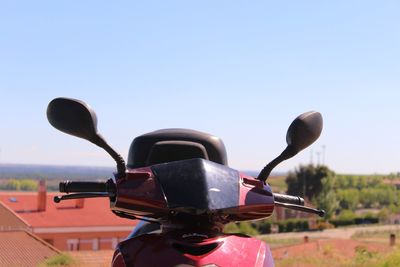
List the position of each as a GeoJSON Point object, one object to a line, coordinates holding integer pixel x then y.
{"type": "Point", "coordinates": [27, 185]}
{"type": "Point", "coordinates": [338, 193]}
{"type": "Point", "coordinates": [19, 185]}
{"type": "Point", "coordinates": [356, 192]}
{"type": "Point", "coordinates": [347, 200]}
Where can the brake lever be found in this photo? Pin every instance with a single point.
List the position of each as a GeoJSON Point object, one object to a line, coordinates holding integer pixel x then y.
{"type": "Point", "coordinates": [57, 199]}
{"type": "Point", "coordinates": [320, 213]}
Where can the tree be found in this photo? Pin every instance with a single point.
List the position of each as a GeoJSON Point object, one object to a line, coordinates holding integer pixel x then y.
{"type": "Point", "coordinates": [306, 180]}
{"type": "Point", "coordinates": [12, 184]}
{"type": "Point", "coordinates": [28, 185]}
{"type": "Point", "coordinates": [327, 199]}
{"type": "Point", "coordinates": [349, 198]}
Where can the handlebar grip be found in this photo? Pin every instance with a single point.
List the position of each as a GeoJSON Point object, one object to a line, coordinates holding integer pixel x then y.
{"type": "Point", "coordinates": [289, 199]}
{"type": "Point", "coordinates": [81, 186]}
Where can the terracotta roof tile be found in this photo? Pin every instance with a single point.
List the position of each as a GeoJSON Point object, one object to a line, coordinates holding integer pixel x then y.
{"type": "Point", "coordinates": [95, 212]}
{"type": "Point", "coordinates": [9, 220]}
{"type": "Point", "coordinates": [20, 248]}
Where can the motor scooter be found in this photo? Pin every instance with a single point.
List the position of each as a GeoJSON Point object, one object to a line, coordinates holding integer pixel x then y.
{"type": "Point", "coordinates": [179, 184]}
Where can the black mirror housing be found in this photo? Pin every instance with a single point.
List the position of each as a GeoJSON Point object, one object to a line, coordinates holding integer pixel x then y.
{"type": "Point", "coordinates": [304, 130]}
{"type": "Point", "coordinates": [76, 118]}
{"type": "Point", "coordinates": [73, 117]}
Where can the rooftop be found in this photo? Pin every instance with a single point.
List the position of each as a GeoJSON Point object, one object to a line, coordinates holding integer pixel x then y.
{"type": "Point", "coordinates": [9, 220]}
{"type": "Point", "coordinates": [95, 211]}
{"type": "Point", "coordinates": [20, 248]}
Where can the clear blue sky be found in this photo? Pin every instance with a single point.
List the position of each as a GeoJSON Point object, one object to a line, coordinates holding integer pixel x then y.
{"type": "Point", "coordinates": [239, 70]}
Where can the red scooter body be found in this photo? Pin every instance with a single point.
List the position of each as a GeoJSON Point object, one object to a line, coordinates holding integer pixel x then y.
{"type": "Point", "coordinates": [140, 194]}
{"type": "Point", "coordinates": [167, 250]}
{"type": "Point", "coordinates": [179, 181]}
{"type": "Point", "coordinates": [192, 234]}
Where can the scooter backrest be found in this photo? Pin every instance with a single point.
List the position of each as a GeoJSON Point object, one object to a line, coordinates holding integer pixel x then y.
{"type": "Point", "coordinates": [175, 144]}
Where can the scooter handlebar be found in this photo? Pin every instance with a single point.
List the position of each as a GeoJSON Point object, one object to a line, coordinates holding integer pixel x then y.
{"type": "Point", "coordinates": [82, 186]}
{"type": "Point", "coordinates": [288, 199]}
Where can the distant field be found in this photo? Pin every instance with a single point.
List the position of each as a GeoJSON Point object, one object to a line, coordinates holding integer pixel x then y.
{"type": "Point", "coordinates": [274, 242]}
{"type": "Point", "coordinates": [276, 180]}
{"type": "Point", "coordinates": [337, 253]}
{"type": "Point", "coordinates": [378, 236]}
{"type": "Point", "coordinates": [27, 175]}
{"type": "Point", "coordinates": [22, 171]}
{"type": "Point", "coordinates": [277, 183]}
{"type": "Point", "coordinates": [360, 246]}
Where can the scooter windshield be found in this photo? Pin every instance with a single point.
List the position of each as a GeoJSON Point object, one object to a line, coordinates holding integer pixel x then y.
{"type": "Point", "coordinates": [198, 185]}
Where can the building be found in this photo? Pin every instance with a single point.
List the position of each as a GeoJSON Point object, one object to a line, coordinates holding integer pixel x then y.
{"type": "Point", "coordinates": [10, 221]}
{"type": "Point", "coordinates": [22, 248]}
{"type": "Point", "coordinates": [84, 224]}
{"type": "Point", "coordinates": [18, 246]}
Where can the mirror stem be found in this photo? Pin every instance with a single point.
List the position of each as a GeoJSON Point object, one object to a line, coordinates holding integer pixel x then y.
{"type": "Point", "coordinates": [121, 168]}
{"type": "Point", "coordinates": [286, 154]}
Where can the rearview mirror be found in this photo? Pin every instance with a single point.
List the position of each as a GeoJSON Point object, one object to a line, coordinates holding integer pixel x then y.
{"type": "Point", "coordinates": [76, 118]}
{"type": "Point", "coordinates": [73, 117]}
{"type": "Point", "coordinates": [304, 130]}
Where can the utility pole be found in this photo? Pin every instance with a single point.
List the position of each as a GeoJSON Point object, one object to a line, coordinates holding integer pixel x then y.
{"type": "Point", "coordinates": [318, 157]}
{"type": "Point", "coordinates": [304, 185]}
{"type": "Point", "coordinates": [323, 154]}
